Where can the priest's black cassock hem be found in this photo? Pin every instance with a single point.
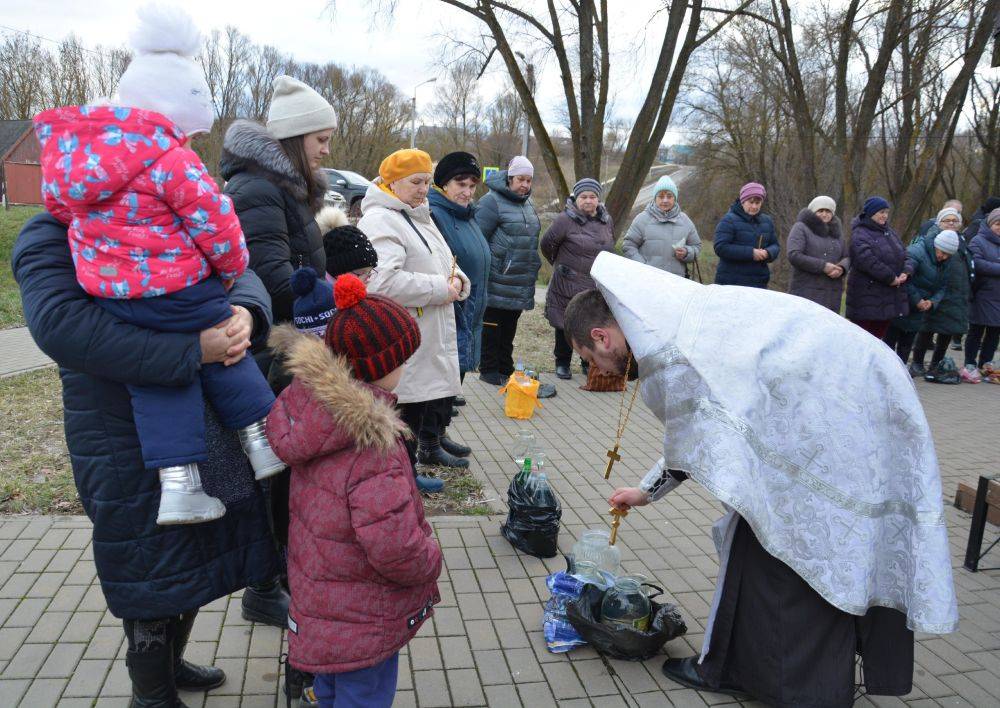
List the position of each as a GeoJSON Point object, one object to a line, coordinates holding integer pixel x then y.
{"type": "Point", "coordinates": [780, 641]}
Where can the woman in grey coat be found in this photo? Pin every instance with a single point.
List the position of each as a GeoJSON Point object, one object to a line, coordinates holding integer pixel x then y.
{"type": "Point", "coordinates": [663, 236]}
{"type": "Point", "coordinates": [509, 222]}
{"type": "Point", "coordinates": [818, 254]}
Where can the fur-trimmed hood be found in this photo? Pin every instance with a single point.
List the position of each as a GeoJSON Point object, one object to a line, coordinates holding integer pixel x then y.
{"type": "Point", "coordinates": [248, 147]}
{"type": "Point", "coordinates": [326, 409]}
{"type": "Point", "coordinates": [816, 225]}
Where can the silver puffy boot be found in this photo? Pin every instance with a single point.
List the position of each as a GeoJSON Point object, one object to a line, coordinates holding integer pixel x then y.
{"type": "Point", "coordinates": [182, 500]}
{"type": "Point", "coordinates": [265, 463]}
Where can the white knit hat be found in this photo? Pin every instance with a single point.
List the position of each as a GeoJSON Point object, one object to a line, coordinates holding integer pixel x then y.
{"type": "Point", "coordinates": [947, 211]}
{"type": "Point", "coordinates": [296, 109]}
{"type": "Point", "coordinates": [822, 202]}
{"type": "Point", "coordinates": [947, 241]}
{"type": "Point", "coordinates": [163, 75]}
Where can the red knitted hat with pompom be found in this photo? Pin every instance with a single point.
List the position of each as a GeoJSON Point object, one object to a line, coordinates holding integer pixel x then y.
{"type": "Point", "coordinates": [375, 334]}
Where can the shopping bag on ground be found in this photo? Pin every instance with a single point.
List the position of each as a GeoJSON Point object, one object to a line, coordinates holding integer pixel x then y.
{"type": "Point", "coordinates": [560, 635]}
{"type": "Point", "coordinates": [619, 642]}
{"type": "Point", "coordinates": [521, 396]}
{"type": "Point", "coordinates": [532, 524]}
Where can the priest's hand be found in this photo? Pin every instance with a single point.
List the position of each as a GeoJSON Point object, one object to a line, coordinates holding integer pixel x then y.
{"type": "Point", "coordinates": [624, 498]}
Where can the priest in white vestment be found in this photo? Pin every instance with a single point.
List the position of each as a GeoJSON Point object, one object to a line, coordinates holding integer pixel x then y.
{"type": "Point", "coordinates": [810, 432]}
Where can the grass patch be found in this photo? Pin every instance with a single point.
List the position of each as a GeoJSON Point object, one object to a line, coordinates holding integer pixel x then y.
{"type": "Point", "coordinates": [463, 494]}
{"type": "Point", "coordinates": [35, 475]}
{"type": "Point", "coordinates": [11, 222]}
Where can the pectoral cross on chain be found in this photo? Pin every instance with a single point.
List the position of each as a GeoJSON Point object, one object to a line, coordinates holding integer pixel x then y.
{"type": "Point", "coordinates": [613, 457]}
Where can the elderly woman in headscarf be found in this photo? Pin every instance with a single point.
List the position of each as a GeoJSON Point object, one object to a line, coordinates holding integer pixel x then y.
{"type": "Point", "coordinates": [818, 254]}
{"type": "Point", "coordinates": [571, 244]}
{"type": "Point", "coordinates": [417, 269]}
{"type": "Point", "coordinates": [662, 235]}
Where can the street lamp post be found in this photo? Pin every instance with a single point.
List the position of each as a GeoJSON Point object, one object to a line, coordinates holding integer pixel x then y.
{"type": "Point", "coordinates": [413, 112]}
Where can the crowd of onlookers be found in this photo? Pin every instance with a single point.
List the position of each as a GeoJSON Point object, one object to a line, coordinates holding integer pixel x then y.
{"type": "Point", "coordinates": [149, 286]}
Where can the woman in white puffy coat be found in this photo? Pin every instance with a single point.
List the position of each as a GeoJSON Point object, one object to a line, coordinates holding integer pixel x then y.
{"type": "Point", "coordinates": [416, 269]}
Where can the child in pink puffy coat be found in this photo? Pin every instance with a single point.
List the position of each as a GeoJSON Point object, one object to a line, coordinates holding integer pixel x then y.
{"type": "Point", "coordinates": [157, 245]}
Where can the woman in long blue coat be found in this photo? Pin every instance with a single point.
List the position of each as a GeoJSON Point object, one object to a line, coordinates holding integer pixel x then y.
{"type": "Point", "coordinates": [455, 180]}
{"type": "Point", "coordinates": [153, 577]}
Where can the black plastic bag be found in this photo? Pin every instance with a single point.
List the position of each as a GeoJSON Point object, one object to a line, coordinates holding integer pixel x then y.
{"type": "Point", "coordinates": [619, 642]}
{"type": "Point", "coordinates": [532, 524]}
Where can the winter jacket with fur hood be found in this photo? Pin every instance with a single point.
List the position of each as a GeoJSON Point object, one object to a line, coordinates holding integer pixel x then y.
{"type": "Point", "coordinates": [414, 264]}
{"type": "Point", "coordinates": [811, 245]}
{"type": "Point", "coordinates": [275, 210]}
{"type": "Point", "coordinates": [362, 560]}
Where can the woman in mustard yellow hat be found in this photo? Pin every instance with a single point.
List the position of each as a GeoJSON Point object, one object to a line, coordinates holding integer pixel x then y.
{"type": "Point", "coordinates": [417, 269]}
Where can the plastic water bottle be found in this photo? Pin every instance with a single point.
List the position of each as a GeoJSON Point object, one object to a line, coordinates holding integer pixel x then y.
{"type": "Point", "coordinates": [541, 492]}
{"type": "Point", "coordinates": [519, 374]}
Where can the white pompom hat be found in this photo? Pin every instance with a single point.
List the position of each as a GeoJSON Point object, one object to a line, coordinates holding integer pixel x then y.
{"type": "Point", "coordinates": [163, 75]}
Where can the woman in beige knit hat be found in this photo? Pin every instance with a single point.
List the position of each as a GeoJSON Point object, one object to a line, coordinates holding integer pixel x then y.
{"type": "Point", "coordinates": [274, 180]}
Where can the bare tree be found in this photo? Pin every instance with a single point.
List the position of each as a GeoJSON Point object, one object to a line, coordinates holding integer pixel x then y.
{"type": "Point", "coordinates": [67, 74]}
{"type": "Point", "coordinates": [224, 61]}
{"type": "Point", "coordinates": [576, 34]}
{"type": "Point", "coordinates": [263, 64]}
{"type": "Point", "coordinates": [106, 66]}
{"type": "Point", "coordinates": [458, 103]}
{"type": "Point", "coordinates": [23, 64]}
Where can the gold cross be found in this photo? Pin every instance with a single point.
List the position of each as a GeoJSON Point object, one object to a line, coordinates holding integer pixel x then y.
{"type": "Point", "coordinates": [613, 457]}
{"type": "Point", "coordinates": [619, 514]}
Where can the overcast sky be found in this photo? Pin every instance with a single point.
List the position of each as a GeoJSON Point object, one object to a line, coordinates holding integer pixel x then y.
{"type": "Point", "coordinates": [407, 51]}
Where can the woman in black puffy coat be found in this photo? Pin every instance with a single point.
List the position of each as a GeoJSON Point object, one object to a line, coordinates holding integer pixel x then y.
{"type": "Point", "coordinates": [155, 578]}
{"type": "Point", "coordinates": [274, 178]}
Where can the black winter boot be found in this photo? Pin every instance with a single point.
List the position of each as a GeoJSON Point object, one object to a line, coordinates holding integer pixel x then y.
{"type": "Point", "coordinates": [150, 662]}
{"type": "Point", "coordinates": [188, 676]}
{"type": "Point", "coordinates": [455, 448]}
{"type": "Point", "coordinates": [266, 604]}
{"type": "Point", "coordinates": [432, 453]}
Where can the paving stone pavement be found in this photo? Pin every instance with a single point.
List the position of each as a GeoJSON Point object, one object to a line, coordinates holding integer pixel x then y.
{"type": "Point", "coordinates": [19, 353]}
{"type": "Point", "coordinates": [60, 646]}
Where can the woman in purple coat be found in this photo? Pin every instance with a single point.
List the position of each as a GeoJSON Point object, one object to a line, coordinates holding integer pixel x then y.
{"type": "Point", "coordinates": [984, 314]}
{"type": "Point", "coordinates": [571, 244]}
{"type": "Point", "coordinates": [879, 269]}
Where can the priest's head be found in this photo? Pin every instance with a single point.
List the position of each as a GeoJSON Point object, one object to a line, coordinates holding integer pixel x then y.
{"type": "Point", "coordinates": [592, 331]}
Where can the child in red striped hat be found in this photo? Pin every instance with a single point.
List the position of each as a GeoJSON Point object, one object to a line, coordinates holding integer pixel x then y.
{"type": "Point", "coordinates": [362, 560]}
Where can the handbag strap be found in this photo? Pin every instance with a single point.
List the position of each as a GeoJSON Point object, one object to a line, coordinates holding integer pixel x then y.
{"type": "Point", "coordinates": [416, 230]}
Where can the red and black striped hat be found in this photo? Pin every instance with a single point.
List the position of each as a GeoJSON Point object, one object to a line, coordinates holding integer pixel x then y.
{"type": "Point", "coordinates": [375, 334]}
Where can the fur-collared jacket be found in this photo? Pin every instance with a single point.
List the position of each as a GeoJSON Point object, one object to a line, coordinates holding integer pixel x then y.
{"type": "Point", "coordinates": [811, 245]}
{"type": "Point", "coordinates": [276, 210]}
{"type": "Point", "coordinates": [362, 560]}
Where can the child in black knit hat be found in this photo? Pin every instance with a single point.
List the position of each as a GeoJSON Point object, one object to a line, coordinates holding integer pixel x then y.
{"type": "Point", "coordinates": [347, 248]}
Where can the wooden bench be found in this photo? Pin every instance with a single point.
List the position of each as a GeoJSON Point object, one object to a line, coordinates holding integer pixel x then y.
{"type": "Point", "coordinates": [985, 507]}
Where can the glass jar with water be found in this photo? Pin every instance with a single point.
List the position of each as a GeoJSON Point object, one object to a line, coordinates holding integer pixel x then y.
{"type": "Point", "coordinates": [594, 546]}
{"type": "Point", "coordinates": [626, 605]}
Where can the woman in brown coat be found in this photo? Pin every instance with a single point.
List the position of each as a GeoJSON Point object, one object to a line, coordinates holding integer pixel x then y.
{"type": "Point", "coordinates": [571, 244]}
{"type": "Point", "coordinates": [818, 254]}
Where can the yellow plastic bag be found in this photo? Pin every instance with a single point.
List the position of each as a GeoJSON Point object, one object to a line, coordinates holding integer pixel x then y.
{"type": "Point", "coordinates": [521, 396]}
